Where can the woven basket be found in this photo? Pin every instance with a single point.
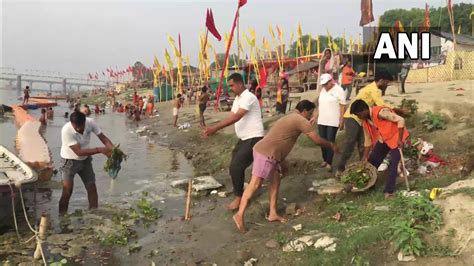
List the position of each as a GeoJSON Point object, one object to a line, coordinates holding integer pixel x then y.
{"type": "Point", "coordinates": [372, 172]}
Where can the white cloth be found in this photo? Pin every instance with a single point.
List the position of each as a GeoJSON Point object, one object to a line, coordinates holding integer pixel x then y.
{"type": "Point", "coordinates": [70, 137]}
{"type": "Point", "coordinates": [330, 105]}
{"type": "Point", "coordinates": [250, 125]}
{"type": "Point", "coordinates": [175, 111]}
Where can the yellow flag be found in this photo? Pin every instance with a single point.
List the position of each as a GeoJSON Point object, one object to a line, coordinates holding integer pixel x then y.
{"type": "Point", "coordinates": [173, 45]}
{"type": "Point", "coordinates": [318, 45]}
{"type": "Point", "coordinates": [351, 44]}
{"type": "Point", "coordinates": [157, 63]}
{"type": "Point", "coordinates": [359, 45]}
{"type": "Point", "coordinates": [308, 46]}
{"type": "Point", "coordinates": [168, 60]}
{"type": "Point", "coordinates": [459, 29]}
{"type": "Point", "coordinates": [270, 30]}
{"type": "Point", "coordinates": [329, 39]}
{"type": "Point", "coordinates": [300, 32]}
{"type": "Point", "coordinates": [292, 37]}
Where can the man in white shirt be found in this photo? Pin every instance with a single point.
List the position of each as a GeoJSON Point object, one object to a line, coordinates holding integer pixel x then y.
{"type": "Point", "coordinates": [330, 115]}
{"type": "Point", "coordinates": [76, 157]}
{"type": "Point", "coordinates": [247, 117]}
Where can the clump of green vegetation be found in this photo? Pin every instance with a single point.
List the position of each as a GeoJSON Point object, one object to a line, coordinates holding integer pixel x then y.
{"type": "Point", "coordinates": [146, 211]}
{"type": "Point", "coordinates": [433, 121]}
{"type": "Point", "coordinates": [411, 105]}
{"type": "Point", "coordinates": [281, 238]}
{"type": "Point", "coordinates": [119, 236]}
{"type": "Point", "coordinates": [416, 216]}
{"type": "Point", "coordinates": [410, 150]}
{"type": "Point", "coordinates": [112, 164]}
{"type": "Point", "coordinates": [358, 177]}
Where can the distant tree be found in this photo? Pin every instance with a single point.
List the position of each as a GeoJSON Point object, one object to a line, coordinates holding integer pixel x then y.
{"type": "Point", "coordinates": [233, 59]}
{"type": "Point", "coordinates": [141, 72]}
{"type": "Point", "coordinates": [438, 18]}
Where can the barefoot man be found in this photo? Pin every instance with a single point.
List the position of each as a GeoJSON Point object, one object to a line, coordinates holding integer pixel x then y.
{"type": "Point", "coordinates": [247, 117]}
{"type": "Point", "coordinates": [269, 155]}
{"type": "Point", "coordinates": [76, 157]}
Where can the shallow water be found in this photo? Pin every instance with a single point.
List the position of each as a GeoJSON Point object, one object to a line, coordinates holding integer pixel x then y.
{"type": "Point", "coordinates": [150, 167]}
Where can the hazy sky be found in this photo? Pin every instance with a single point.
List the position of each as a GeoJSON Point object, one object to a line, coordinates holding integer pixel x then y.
{"type": "Point", "coordinates": [89, 36]}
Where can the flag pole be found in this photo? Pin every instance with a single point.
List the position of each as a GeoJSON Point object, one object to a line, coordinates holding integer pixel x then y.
{"type": "Point", "coordinates": [219, 89]}
{"type": "Point", "coordinates": [238, 40]}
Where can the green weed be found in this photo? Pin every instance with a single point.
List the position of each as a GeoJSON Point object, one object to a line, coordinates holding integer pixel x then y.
{"type": "Point", "coordinates": [433, 121]}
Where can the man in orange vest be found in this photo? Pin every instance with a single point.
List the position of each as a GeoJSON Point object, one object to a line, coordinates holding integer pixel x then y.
{"type": "Point", "coordinates": [384, 132]}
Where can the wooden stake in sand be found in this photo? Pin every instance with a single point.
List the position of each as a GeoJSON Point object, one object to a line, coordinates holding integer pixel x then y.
{"type": "Point", "coordinates": [41, 235]}
{"type": "Point", "coordinates": [188, 201]}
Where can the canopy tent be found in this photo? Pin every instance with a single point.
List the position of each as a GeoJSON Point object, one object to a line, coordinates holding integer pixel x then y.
{"type": "Point", "coordinates": [303, 67]}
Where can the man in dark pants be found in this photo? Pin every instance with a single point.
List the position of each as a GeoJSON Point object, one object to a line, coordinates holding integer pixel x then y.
{"type": "Point", "coordinates": [372, 95]}
{"type": "Point", "coordinates": [76, 157]}
{"type": "Point", "coordinates": [384, 133]}
{"type": "Point", "coordinates": [247, 117]}
{"type": "Point", "coordinates": [402, 76]}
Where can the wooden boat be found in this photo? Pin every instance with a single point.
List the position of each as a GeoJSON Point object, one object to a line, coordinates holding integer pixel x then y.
{"type": "Point", "coordinates": [57, 97]}
{"type": "Point", "coordinates": [13, 170]}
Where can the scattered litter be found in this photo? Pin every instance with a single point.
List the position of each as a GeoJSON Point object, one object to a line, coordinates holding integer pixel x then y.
{"type": "Point", "coordinates": [327, 243]}
{"type": "Point", "coordinates": [382, 208]}
{"type": "Point", "coordinates": [300, 211]}
{"type": "Point", "coordinates": [298, 227]}
{"type": "Point", "coordinates": [299, 244]}
{"type": "Point", "coordinates": [250, 262]}
{"type": "Point", "coordinates": [404, 258]}
{"type": "Point", "coordinates": [410, 193]}
{"type": "Point", "coordinates": [184, 126]}
{"type": "Point", "coordinates": [222, 194]}
{"type": "Point", "coordinates": [435, 193]}
{"type": "Point", "coordinates": [337, 216]}
{"type": "Point", "coordinates": [142, 130]}
{"type": "Point", "coordinates": [199, 183]}
{"type": "Point", "coordinates": [214, 192]}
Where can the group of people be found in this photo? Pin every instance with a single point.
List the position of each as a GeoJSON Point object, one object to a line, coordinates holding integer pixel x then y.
{"type": "Point", "coordinates": [46, 114]}
{"type": "Point", "coordinates": [368, 121]}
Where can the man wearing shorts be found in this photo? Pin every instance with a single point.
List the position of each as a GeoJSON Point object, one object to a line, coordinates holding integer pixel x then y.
{"type": "Point", "coordinates": [76, 157]}
{"type": "Point", "coordinates": [177, 103]}
{"type": "Point", "coordinates": [247, 117]}
{"type": "Point", "coordinates": [269, 155]}
{"type": "Point", "coordinates": [203, 99]}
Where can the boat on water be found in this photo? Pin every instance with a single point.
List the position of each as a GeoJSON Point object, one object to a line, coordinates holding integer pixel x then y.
{"type": "Point", "coordinates": [13, 172]}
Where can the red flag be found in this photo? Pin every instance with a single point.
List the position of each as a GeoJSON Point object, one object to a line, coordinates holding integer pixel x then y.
{"type": "Point", "coordinates": [96, 76]}
{"type": "Point", "coordinates": [211, 26]}
{"type": "Point", "coordinates": [367, 14]}
{"type": "Point", "coordinates": [450, 7]}
{"type": "Point", "coordinates": [242, 3]}
{"type": "Point", "coordinates": [90, 76]}
{"type": "Point", "coordinates": [179, 43]}
{"type": "Point", "coordinates": [103, 74]}
{"type": "Point", "coordinates": [263, 78]}
{"type": "Point", "coordinates": [427, 23]}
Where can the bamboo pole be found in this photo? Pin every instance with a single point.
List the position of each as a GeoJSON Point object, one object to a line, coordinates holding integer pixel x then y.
{"type": "Point", "coordinates": [41, 235]}
{"type": "Point", "coordinates": [188, 201]}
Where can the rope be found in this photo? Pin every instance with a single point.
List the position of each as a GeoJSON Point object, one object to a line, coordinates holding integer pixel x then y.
{"type": "Point", "coordinates": [39, 241]}
{"type": "Point", "coordinates": [13, 210]}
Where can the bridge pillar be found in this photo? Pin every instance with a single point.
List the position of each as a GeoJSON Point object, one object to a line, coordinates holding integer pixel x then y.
{"type": "Point", "coordinates": [78, 88]}
{"type": "Point", "coordinates": [51, 88]}
{"type": "Point", "coordinates": [31, 85]}
{"type": "Point", "coordinates": [64, 86]}
{"type": "Point", "coordinates": [18, 85]}
{"type": "Point", "coordinates": [107, 86]}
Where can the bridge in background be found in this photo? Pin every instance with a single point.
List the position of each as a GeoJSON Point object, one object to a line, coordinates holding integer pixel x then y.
{"type": "Point", "coordinates": [67, 83]}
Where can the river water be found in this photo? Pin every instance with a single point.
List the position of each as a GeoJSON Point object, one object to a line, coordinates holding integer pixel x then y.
{"type": "Point", "coordinates": [149, 167]}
